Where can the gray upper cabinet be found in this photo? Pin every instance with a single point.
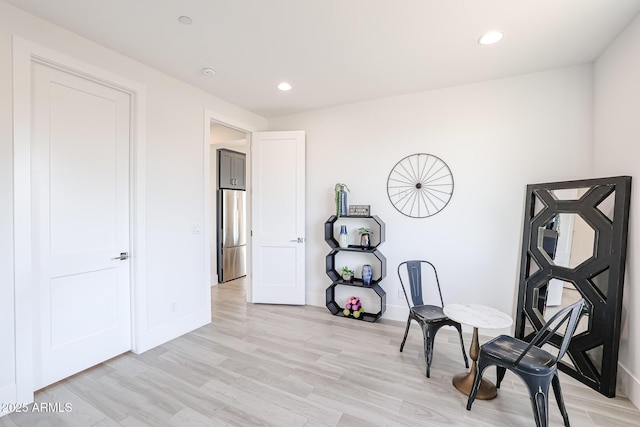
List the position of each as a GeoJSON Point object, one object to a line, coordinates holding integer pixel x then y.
{"type": "Point", "coordinates": [231, 169]}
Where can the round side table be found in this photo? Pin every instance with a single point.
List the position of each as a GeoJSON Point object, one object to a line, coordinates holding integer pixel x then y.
{"type": "Point", "coordinates": [478, 316]}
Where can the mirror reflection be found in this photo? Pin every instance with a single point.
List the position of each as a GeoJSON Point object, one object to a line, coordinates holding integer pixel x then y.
{"type": "Point", "coordinates": [570, 193]}
{"type": "Point", "coordinates": [595, 356]}
{"type": "Point", "coordinates": [607, 205]}
{"type": "Point", "coordinates": [577, 231]}
{"type": "Point", "coordinates": [553, 350]}
{"type": "Point", "coordinates": [601, 283]}
{"type": "Point", "coordinates": [533, 268]}
{"type": "Point", "coordinates": [538, 206]}
{"type": "Point", "coordinates": [569, 295]}
{"type": "Point", "coordinates": [567, 240]}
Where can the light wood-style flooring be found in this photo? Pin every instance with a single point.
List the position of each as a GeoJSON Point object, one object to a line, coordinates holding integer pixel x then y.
{"type": "Point", "coordinates": [269, 365]}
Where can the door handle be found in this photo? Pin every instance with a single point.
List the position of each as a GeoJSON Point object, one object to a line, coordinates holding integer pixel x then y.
{"type": "Point", "coordinates": [122, 257]}
{"type": "Point", "coordinates": [298, 240]}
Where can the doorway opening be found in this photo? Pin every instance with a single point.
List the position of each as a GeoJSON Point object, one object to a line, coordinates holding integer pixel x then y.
{"type": "Point", "coordinates": [228, 173]}
{"type": "Point", "coordinates": [275, 210]}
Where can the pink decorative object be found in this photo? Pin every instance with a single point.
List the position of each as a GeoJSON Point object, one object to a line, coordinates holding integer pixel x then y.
{"type": "Point", "coordinates": [353, 307]}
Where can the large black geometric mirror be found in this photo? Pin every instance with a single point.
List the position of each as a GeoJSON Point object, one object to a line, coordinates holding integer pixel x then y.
{"type": "Point", "coordinates": [574, 246]}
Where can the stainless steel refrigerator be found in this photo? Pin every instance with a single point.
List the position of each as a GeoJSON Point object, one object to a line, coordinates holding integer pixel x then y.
{"type": "Point", "coordinates": [232, 239]}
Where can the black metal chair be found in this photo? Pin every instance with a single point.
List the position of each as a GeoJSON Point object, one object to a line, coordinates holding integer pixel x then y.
{"type": "Point", "coordinates": [537, 367]}
{"type": "Point", "coordinates": [430, 317]}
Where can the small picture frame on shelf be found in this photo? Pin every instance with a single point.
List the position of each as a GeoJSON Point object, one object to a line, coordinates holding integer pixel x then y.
{"type": "Point", "coordinates": [359, 210]}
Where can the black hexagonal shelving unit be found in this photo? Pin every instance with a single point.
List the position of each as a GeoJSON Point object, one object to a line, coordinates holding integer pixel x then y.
{"type": "Point", "coordinates": [336, 278]}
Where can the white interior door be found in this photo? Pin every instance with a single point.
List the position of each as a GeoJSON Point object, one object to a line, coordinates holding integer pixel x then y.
{"type": "Point", "coordinates": [80, 222]}
{"type": "Point", "coordinates": [278, 217]}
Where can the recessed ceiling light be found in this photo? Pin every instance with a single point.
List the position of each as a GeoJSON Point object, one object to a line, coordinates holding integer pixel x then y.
{"type": "Point", "coordinates": [185, 20]}
{"type": "Point", "coordinates": [208, 71]}
{"type": "Point", "coordinates": [491, 37]}
{"type": "Point", "coordinates": [284, 86]}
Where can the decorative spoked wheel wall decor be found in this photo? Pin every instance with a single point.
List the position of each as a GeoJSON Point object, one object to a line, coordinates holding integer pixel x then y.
{"type": "Point", "coordinates": [420, 185]}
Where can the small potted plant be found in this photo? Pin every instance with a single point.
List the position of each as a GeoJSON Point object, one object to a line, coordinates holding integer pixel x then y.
{"type": "Point", "coordinates": [347, 273]}
{"type": "Point", "coordinates": [365, 241]}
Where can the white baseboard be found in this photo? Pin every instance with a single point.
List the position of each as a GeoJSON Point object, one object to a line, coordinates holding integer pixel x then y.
{"type": "Point", "coordinates": [628, 385]}
{"type": "Point", "coordinates": [8, 400]}
{"type": "Point", "coordinates": [396, 312]}
{"type": "Point", "coordinates": [166, 332]}
{"type": "Point", "coordinates": [316, 300]}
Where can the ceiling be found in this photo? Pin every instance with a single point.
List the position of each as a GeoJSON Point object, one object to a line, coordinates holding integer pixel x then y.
{"type": "Point", "coordinates": [336, 52]}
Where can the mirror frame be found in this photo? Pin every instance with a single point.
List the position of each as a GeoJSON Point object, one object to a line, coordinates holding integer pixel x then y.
{"type": "Point", "coordinates": [610, 246]}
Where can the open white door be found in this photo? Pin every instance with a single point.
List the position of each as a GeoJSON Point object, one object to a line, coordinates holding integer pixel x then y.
{"type": "Point", "coordinates": [80, 205]}
{"type": "Point", "coordinates": [278, 217]}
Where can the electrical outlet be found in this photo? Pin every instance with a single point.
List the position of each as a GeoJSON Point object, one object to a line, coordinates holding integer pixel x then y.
{"type": "Point", "coordinates": [173, 307]}
{"type": "Point", "coordinates": [195, 228]}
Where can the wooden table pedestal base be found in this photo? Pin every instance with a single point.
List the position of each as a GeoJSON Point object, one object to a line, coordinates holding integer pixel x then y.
{"type": "Point", "coordinates": [464, 382]}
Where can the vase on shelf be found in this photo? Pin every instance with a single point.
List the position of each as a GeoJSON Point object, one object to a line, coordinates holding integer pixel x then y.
{"type": "Point", "coordinates": [343, 202]}
{"type": "Point", "coordinates": [365, 241]}
{"type": "Point", "coordinates": [343, 237]}
{"type": "Point", "coordinates": [367, 275]}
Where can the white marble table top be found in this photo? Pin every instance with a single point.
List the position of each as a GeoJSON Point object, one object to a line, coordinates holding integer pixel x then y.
{"type": "Point", "coordinates": [478, 316]}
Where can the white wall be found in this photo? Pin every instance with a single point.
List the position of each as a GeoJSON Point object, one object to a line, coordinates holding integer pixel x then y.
{"type": "Point", "coordinates": [7, 333]}
{"type": "Point", "coordinates": [175, 183]}
{"type": "Point", "coordinates": [616, 152]}
{"type": "Point", "coordinates": [496, 137]}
